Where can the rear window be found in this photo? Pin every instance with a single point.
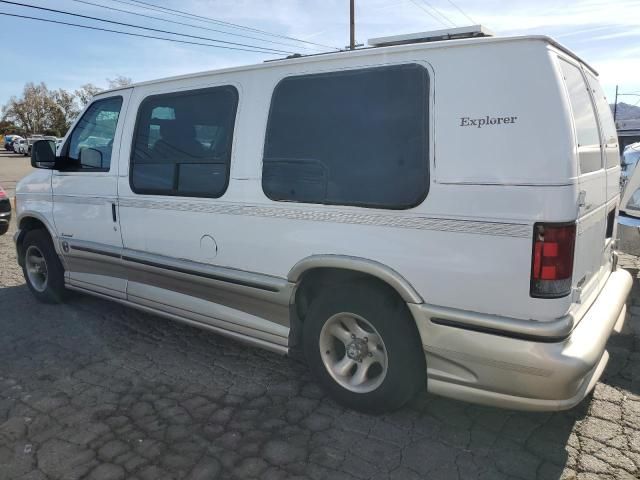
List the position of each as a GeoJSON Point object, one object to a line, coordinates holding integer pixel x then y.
{"type": "Point", "coordinates": [588, 135]}
{"type": "Point", "coordinates": [609, 133]}
{"type": "Point", "coordinates": [356, 137]}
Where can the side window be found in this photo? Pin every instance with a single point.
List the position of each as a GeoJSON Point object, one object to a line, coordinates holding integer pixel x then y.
{"type": "Point", "coordinates": [91, 141]}
{"type": "Point", "coordinates": [588, 135]}
{"type": "Point", "coordinates": [357, 137]}
{"type": "Point", "coordinates": [182, 143]}
{"type": "Point", "coordinates": [609, 132]}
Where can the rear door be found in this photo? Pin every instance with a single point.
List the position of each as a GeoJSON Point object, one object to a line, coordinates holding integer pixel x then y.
{"type": "Point", "coordinates": [592, 249]}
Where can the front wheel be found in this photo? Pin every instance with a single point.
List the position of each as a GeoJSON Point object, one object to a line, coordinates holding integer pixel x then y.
{"type": "Point", "coordinates": [362, 345]}
{"type": "Point", "coordinates": [42, 269]}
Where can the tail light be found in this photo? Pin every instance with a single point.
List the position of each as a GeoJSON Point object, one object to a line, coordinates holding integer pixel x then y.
{"type": "Point", "coordinates": [552, 259]}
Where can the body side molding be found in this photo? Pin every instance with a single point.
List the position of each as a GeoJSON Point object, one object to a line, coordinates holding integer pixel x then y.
{"type": "Point", "coordinates": [363, 265]}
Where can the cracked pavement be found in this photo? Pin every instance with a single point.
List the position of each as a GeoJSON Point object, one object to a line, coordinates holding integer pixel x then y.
{"type": "Point", "coordinates": [95, 390]}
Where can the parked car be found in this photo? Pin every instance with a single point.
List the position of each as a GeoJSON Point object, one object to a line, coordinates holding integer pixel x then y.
{"type": "Point", "coordinates": [342, 208]}
{"type": "Point", "coordinates": [630, 201]}
{"type": "Point", "coordinates": [630, 157]}
{"type": "Point", "coordinates": [8, 141]}
{"type": "Point", "coordinates": [20, 146]}
{"type": "Point", "coordinates": [5, 211]}
{"type": "Point", "coordinates": [34, 138]}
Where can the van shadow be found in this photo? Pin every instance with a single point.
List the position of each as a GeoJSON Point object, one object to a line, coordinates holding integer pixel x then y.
{"type": "Point", "coordinates": [624, 359]}
{"type": "Point", "coordinates": [497, 443]}
{"type": "Point", "coordinates": [486, 442]}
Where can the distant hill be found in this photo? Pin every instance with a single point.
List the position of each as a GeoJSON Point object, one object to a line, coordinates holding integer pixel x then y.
{"type": "Point", "coordinates": [627, 112]}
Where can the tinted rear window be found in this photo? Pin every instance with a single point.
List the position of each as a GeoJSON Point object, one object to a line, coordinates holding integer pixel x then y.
{"type": "Point", "coordinates": [356, 137]}
{"type": "Point", "coordinates": [588, 135]}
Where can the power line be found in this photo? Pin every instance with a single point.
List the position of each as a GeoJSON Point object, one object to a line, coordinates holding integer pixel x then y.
{"type": "Point", "coordinates": [266, 49]}
{"type": "Point", "coordinates": [462, 12]}
{"type": "Point", "coordinates": [182, 13]}
{"type": "Point", "coordinates": [440, 13]}
{"type": "Point", "coordinates": [129, 33]}
{"type": "Point", "coordinates": [428, 12]}
{"type": "Point", "coordinates": [188, 24]}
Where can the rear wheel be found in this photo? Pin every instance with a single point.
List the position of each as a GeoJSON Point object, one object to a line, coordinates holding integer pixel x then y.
{"type": "Point", "coordinates": [42, 269]}
{"type": "Point", "coordinates": [362, 345]}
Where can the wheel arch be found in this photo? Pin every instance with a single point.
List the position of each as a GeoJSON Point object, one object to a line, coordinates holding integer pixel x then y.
{"type": "Point", "coordinates": [356, 264]}
{"type": "Point", "coordinates": [312, 273]}
{"type": "Point", "coordinates": [27, 222]}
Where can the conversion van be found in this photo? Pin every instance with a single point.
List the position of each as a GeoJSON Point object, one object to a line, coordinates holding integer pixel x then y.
{"type": "Point", "coordinates": [423, 212]}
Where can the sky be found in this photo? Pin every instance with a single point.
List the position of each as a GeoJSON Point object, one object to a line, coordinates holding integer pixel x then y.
{"type": "Point", "coordinates": [604, 33]}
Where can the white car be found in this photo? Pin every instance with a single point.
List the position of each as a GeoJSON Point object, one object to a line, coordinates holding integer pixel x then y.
{"type": "Point", "coordinates": [20, 146]}
{"type": "Point", "coordinates": [630, 157]}
{"type": "Point", "coordinates": [31, 140]}
{"type": "Point", "coordinates": [419, 213]}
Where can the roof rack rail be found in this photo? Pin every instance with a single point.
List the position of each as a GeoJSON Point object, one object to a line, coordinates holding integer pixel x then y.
{"type": "Point", "coordinates": [472, 31]}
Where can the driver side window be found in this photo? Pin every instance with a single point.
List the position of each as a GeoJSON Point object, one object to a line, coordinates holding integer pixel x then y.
{"type": "Point", "coordinates": [91, 141]}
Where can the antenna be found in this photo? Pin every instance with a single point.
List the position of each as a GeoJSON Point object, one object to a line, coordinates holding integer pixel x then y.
{"type": "Point", "coordinates": [352, 25]}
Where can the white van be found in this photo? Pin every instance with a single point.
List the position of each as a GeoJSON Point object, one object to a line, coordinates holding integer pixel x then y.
{"type": "Point", "coordinates": [436, 213]}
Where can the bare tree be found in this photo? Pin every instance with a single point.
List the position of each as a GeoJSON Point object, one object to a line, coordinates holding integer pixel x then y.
{"type": "Point", "coordinates": [86, 92]}
{"type": "Point", "coordinates": [41, 110]}
{"type": "Point", "coordinates": [65, 111]}
{"type": "Point", "coordinates": [31, 112]}
{"type": "Point", "coordinates": [119, 81]}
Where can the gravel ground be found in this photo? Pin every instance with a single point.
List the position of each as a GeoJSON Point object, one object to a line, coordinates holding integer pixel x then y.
{"type": "Point", "coordinates": [91, 389]}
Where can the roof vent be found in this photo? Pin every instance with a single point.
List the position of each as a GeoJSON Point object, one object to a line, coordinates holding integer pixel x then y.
{"type": "Point", "coordinates": [472, 31]}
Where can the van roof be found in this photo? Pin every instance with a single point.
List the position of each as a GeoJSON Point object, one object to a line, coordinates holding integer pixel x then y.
{"type": "Point", "coordinates": [360, 53]}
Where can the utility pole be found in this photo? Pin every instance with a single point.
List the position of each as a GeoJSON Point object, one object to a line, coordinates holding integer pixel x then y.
{"type": "Point", "coordinates": [352, 26]}
{"type": "Point", "coordinates": [615, 105]}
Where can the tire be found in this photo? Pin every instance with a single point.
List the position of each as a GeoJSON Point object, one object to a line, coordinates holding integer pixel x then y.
{"type": "Point", "coordinates": [367, 311]}
{"type": "Point", "coordinates": [46, 282]}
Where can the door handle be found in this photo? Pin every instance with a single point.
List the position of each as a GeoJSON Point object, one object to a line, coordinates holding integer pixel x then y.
{"type": "Point", "coordinates": [113, 212]}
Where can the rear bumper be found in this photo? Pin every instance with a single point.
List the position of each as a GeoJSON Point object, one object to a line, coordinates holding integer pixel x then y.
{"type": "Point", "coordinates": [504, 369]}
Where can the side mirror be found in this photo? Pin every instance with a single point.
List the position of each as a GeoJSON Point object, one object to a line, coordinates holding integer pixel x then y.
{"type": "Point", "coordinates": [90, 157]}
{"type": "Point", "coordinates": [43, 154]}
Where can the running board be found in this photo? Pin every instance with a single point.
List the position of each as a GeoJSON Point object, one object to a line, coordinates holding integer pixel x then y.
{"type": "Point", "coordinates": [255, 342]}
